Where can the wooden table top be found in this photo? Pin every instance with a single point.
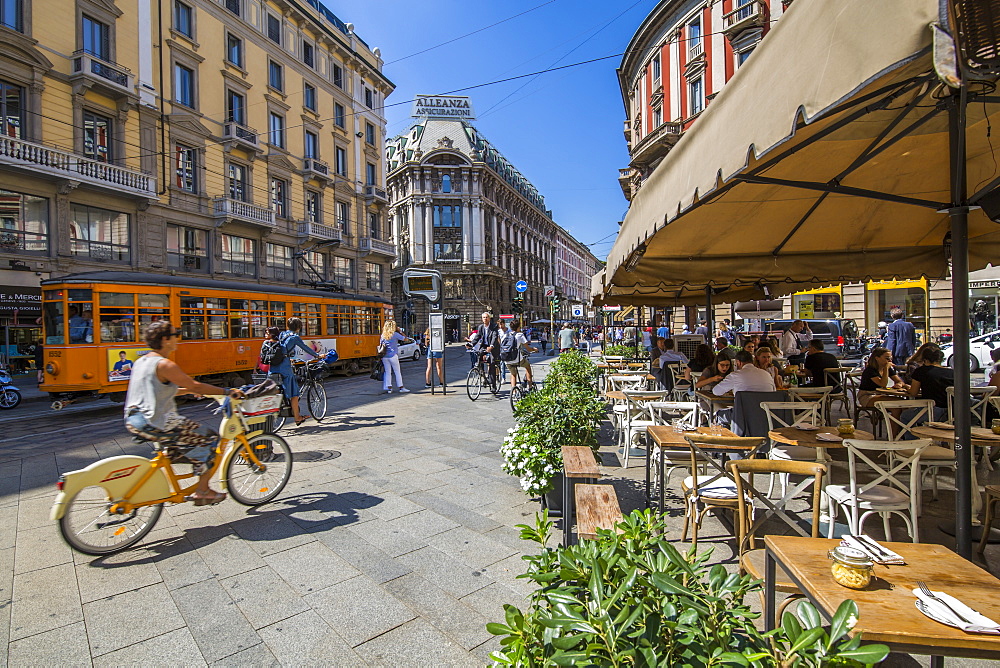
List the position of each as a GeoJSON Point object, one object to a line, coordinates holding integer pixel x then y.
{"type": "Point", "coordinates": [665, 434]}
{"type": "Point", "coordinates": [887, 612]}
{"type": "Point", "coordinates": [902, 394]}
{"type": "Point", "coordinates": [579, 462]}
{"type": "Point", "coordinates": [709, 396]}
{"type": "Point", "coordinates": [980, 436]}
{"type": "Point", "coordinates": [615, 395]}
{"type": "Point", "coordinates": [793, 436]}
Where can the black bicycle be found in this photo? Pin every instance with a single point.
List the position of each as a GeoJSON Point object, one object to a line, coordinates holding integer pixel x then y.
{"type": "Point", "coordinates": [309, 374]}
{"type": "Point", "coordinates": [484, 374]}
{"type": "Point", "coordinates": [522, 388]}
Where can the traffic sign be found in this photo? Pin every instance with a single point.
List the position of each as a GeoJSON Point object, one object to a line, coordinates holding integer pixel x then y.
{"type": "Point", "coordinates": [521, 286]}
{"type": "Point", "coordinates": [577, 310]}
{"type": "Point", "coordinates": [612, 309]}
{"type": "Point", "coordinates": [550, 291]}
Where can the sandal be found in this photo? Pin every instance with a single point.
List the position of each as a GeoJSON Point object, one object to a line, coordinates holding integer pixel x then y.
{"type": "Point", "coordinates": [299, 422]}
{"type": "Point", "coordinates": [216, 498]}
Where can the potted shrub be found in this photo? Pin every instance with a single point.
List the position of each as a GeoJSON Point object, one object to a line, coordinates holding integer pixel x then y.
{"type": "Point", "coordinates": [631, 598]}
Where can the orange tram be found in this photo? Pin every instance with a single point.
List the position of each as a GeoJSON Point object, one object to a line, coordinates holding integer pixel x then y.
{"type": "Point", "coordinates": [93, 325]}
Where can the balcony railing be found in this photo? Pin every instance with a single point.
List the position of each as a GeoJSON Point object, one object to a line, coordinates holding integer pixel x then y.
{"type": "Point", "coordinates": [110, 76]}
{"type": "Point", "coordinates": [245, 212]}
{"type": "Point", "coordinates": [41, 159]}
{"type": "Point", "coordinates": [241, 134]}
{"type": "Point", "coordinates": [316, 167]}
{"type": "Point", "coordinates": [696, 50]}
{"type": "Point", "coordinates": [749, 15]}
{"type": "Point", "coordinates": [319, 231]}
{"type": "Point", "coordinates": [657, 142]}
{"type": "Point", "coordinates": [377, 194]}
{"type": "Point", "coordinates": [369, 245]}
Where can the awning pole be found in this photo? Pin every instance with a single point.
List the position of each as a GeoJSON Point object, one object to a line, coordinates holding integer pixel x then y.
{"type": "Point", "coordinates": [708, 315]}
{"type": "Point", "coordinates": [959, 218]}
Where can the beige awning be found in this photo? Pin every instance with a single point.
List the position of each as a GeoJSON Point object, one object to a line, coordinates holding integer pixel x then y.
{"type": "Point", "coordinates": [824, 160]}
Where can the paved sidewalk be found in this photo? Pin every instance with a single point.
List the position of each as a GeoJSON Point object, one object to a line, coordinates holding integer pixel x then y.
{"type": "Point", "coordinates": [393, 544]}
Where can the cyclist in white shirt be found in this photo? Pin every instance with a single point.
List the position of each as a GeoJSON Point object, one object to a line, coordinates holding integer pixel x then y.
{"type": "Point", "coordinates": [523, 348]}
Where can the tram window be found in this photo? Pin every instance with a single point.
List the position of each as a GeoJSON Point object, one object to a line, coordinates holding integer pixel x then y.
{"type": "Point", "coordinates": [258, 318]}
{"type": "Point", "coordinates": [239, 324]}
{"type": "Point", "coordinates": [192, 318]}
{"type": "Point", "coordinates": [151, 309]}
{"type": "Point", "coordinates": [373, 325]}
{"type": "Point", "coordinates": [117, 317]}
{"type": "Point", "coordinates": [53, 317]}
{"type": "Point", "coordinates": [309, 315]}
{"type": "Point", "coordinates": [357, 321]}
{"type": "Point", "coordinates": [277, 316]}
{"type": "Point", "coordinates": [78, 295]}
{"type": "Point", "coordinates": [345, 319]}
{"type": "Point", "coordinates": [218, 318]}
{"type": "Point", "coordinates": [331, 321]}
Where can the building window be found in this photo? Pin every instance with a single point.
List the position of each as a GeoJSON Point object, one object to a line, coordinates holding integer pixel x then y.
{"type": "Point", "coordinates": [312, 144]}
{"type": "Point", "coordinates": [369, 98]}
{"type": "Point", "coordinates": [187, 248]}
{"type": "Point", "coordinates": [275, 76]}
{"type": "Point", "coordinates": [233, 6]}
{"type": "Point", "coordinates": [374, 226]}
{"type": "Point", "coordinates": [657, 117]}
{"type": "Point", "coordinates": [447, 252]}
{"type": "Point", "coordinates": [186, 163]}
{"type": "Point", "coordinates": [448, 216]}
{"type": "Point", "coordinates": [340, 161]}
{"type": "Point", "coordinates": [97, 137]}
{"type": "Point", "coordinates": [276, 130]}
{"type": "Point", "coordinates": [344, 217]}
{"type": "Point", "coordinates": [236, 108]}
{"type": "Point", "coordinates": [11, 110]}
{"type": "Point", "coordinates": [234, 50]}
{"type": "Point", "coordinates": [343, 272]}
{"type": "Point", "coordinates": [446, 183]}
{"type": "Point", "coordinates": [99, 234]}
{"type": "Point", "coordinates": [694, 36]}
{"type": "Point", "coordinates": [371, 174]}
{"type": "Point", "coordinates": [696, 94]}
{"type": "Point", "coordinates": [370, 133]}
{"type": "Point", "coordinates": [742, 56]}
{"type": "Point", "coordinates": [184, 19]}
{"type": "Point", "coordinates": [339, 115]}
{"type": "Point", "coordinates": [373, 276]}
{"type": "Point", "coordinates": [318, 262]}
{"type": "Point", "coordinates": [274, 28]}
{"type": "Point", "coordinates": [96, 38]}
{"type": "Point", "coordinates": [24, 223]}
{"type": "Point", "coordinates": [314, 207]}
{"type": "Point", "coordinates": [12, 14]}
{"type": "Point", "coordinates": [308, 54]}
{"type": "Point", "coordinates": [338, 76]}
{"type": "Point", "coordinates": [656, 68]}
{"type": "Point", "coordinates": [279, 262]}
{"type": "Point", "coordinates": [184, 86]}
{"type": "Point", "coordinates": [309, 97]}
{"type": "Point", "coordinates": [238, 189]}
{"type": "Point", "coordinates": [279, 197]}
{"type": "Point", "coordinates": [239, 255]}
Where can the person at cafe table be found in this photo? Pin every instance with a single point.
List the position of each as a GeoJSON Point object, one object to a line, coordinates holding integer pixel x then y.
{"type": "Point", "coordinates": [746, 378]}
{"type": "Point", "coordinates": [817, 362]}
{"type": "Point", "coordinates": [931, 381]}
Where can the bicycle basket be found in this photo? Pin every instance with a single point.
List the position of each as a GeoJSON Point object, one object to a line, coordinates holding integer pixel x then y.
{"type": "Point", "coordinates": [263, 405]}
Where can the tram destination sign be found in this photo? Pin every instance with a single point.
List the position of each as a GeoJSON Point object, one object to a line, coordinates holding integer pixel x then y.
{"type": "Point", "coordinates": [444, 106]}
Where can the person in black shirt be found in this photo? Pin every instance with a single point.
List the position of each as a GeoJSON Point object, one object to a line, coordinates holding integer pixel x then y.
{"type": "Point", "coordinates": [817, 362]}
{"type": "Point", "coordinates": [931, 381]}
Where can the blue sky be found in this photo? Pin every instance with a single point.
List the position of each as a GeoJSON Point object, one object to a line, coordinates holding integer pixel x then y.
{"type": "Point", "coordinates": [563, 130]}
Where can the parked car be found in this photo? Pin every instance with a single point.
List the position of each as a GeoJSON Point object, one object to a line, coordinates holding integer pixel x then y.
{"type": "Point", "coordinates": [839, 335]}
{"type": "Point", "coordinates": [409, 351]}
{"type": "Point", "coordinates": [979, 351]}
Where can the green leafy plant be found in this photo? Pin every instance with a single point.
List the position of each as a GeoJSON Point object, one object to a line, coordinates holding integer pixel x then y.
{"type": "Point", "coordinates": [564, 412]}
{"type": "Point", "coordinates": [619, 350]}
{"type": "Point", "coordinates": [631, 598]}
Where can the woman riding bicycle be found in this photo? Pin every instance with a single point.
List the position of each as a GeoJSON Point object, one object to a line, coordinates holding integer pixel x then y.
{"type": "Point", "coordinates": [151, 409]}
{"type": "Point", "coordinates": [291, 340]}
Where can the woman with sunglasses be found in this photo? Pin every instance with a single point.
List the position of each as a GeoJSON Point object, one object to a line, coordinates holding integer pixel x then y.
{"type": "Point", "coordinates": [151, 409]}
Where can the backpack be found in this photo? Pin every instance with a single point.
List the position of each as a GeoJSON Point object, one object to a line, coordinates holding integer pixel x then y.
{"type": "Point", "coordinates": [272, 353]}
{"type": "Point", "coordinates": [509, 351]}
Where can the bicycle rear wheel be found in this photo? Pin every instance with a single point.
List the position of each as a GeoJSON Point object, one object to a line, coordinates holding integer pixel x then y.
{"type": "Point", "coordinates": [515, 396]}
{"type": "Point", "coordinates": [253, 485]}
{"type": "Point", "coordinates": [316, 400]}
{"type": "Point", "coordinates": [474, 384]}
{"type": "Point", "coordinates": [89, 527]}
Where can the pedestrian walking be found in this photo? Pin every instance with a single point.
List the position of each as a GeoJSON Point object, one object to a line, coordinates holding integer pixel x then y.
{"type": "Point", "coordinates": [900, 337]}
{"type": "Point", "coordinates": [567, 338]}
{"type": "Point", "coordinates": [389, 343]}
{"type": "Point", "coordinates": [434, 359]}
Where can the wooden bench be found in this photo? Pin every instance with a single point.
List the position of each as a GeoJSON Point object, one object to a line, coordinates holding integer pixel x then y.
{"type": "Point", "coordinates": [579, 466]}
{"type": "Point", "coordinates": [597, 508]}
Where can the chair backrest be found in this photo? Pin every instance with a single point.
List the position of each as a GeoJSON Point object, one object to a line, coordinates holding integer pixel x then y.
{"type": "Point", "coordinates": [748, 416]}
{"type": "Point", "coordinates": [924, 412]}
{"type": "Point", "coordinates": [685, 411]}
{"type": "Point", "coordinates": [789, 413]}
{"type": "Point", "coordinates": [809, 393]}
{"type": "Point", "coordinates": [835, 378]}
{"type": "Point", "coordinates": [642, 405]}
{"type": "Point", "coordinates": [868, 451]}
{"type": "Point", "coordinates": [701, 445]}
{"type": "Point", "coordinates": [622, 383]}
{"type": "Point", "coordinates": [743, 471]}
{"type": "Point", "coordinates": [980, 400]}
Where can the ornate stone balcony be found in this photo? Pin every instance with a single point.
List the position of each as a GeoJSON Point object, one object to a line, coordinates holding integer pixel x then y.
{"type": "Point", "coordinates": [368, 245]}
{"type": "Point", "coordinates": [319, 232]}
{"type": "Point", "coordinates": [224, 208]}
{"type": "Point", "coordinates": [102, 74]}
{"type": "Point", "coordinates": [744, 17]}
{"type": "Point", "coordinates": [315, 167]}
{"type": "Point", "coordinates": [57, 163]}
{"type": "Point", "coordinates": [374, 193]}
{"type": "Point", "coordinates": [656, 144]}
{"type": "Point", "coordinates": [241, 135]}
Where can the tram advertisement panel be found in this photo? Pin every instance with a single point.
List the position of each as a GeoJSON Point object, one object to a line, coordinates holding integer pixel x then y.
{"type": "Point", "coordinates": [318, 345]}
{"type": "Point", "coordinates": [120, 361]}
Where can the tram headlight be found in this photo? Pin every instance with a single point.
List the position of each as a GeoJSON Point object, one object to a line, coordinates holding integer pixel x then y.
{"type": "Point", "coordinates": [52, 369]}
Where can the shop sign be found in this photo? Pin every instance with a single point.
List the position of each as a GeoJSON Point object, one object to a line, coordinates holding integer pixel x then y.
{"type": "Point", "coordinates": [444, 106]}
{"type": "Point", "coordinates": [895, 285]}
{"type": "Point", "coordinates": [807, 310]}
{"type": "Point", "coordinates": [26, 301]}
{"type": "Point", "coordinates": [979, 285]}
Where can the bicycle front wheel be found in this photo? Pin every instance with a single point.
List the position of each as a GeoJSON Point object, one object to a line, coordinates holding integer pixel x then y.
{"type": "Point", "coordinates": [474, 384]}
{"type": "Point", "coordinates": [90, 527]}
{"type": "Point", "coordinates": [252, 484]}
{"type": "Point", "coordinates": [316, 400]}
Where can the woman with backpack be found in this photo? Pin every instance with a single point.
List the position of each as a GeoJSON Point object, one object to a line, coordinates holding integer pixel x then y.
{"type": "Point", "coordinates": [280, 359]}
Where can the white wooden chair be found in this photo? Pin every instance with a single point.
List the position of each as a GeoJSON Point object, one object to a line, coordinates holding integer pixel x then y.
{"type": "Point", "coordinates": [641, 412]}
{"type": "Point", "coordinates": [936, 457]}
{"type": "Point", "coordinates": [980, 401]}
{"type": "Point", "coordinates": [820, 395]}
{"type": "Point", "coordinates": [786, 414]}
{"type": "Point", "coordinates": [686, 415]}
{"type": "Point", "coordinates": [861, 500]}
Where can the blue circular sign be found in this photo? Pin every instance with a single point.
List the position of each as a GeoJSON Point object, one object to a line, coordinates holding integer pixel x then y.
{"type": "Point", "coordinates": [521, 286]}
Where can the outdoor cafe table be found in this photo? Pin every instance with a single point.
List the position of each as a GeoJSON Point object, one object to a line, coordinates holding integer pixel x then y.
{"type": "Point", "coordinates": [902, 394]}
{"type": "Point", "coordinates": [667, 438]}
{"type": "Point", "coordinates": [886, 608]}
{"type": "Point", "coordinates": [725, 401]}
{"type": "Point", "coordinates": [795, 436]}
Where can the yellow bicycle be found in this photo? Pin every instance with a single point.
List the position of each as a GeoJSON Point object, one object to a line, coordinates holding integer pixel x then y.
{"type": "Point", "coordinates": [112, 504]}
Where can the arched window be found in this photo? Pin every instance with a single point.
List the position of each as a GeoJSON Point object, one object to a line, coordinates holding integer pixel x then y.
{"type": "Point", "coordinates": [446, 183]}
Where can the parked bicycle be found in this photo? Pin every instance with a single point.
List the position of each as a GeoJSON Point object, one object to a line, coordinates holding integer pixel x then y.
{"type": "Point", "coordinates": [484, 374]}
{"type": "Point", "coordinates": [114, 503]}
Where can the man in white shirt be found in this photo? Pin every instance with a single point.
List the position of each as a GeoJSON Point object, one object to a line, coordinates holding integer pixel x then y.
{"type": "Point", "coordinates": [793, 338]}
{"type": "Point", "coordinates": [523, 348]}
{"type": "Point", "coordinates": [746, 378]}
